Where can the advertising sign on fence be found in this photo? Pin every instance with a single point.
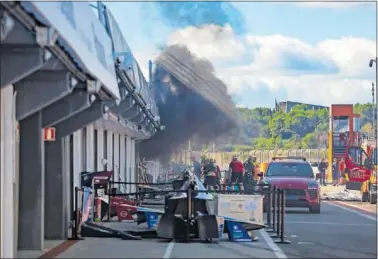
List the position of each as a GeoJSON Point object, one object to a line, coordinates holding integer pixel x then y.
{"type": "Point", "coordinates": [87, 205]}
{"type": "Point", "coordinates": [242, 207]}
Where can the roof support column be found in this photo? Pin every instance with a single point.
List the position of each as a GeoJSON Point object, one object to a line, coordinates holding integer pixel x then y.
{"type": "Point", "coordinates": [55, 211]}
{"type": "Point", "coordinates": [32, 191]}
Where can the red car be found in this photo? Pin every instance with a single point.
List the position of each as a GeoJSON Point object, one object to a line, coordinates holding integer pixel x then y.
{"type": "Point", "coordinates": [297, 178]}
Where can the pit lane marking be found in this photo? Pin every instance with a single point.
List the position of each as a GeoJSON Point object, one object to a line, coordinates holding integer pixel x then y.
{"type": "Point", "coordinates": [328, 223]}
{"type": "Point", "coordinates": [364, 208]}
{"type": "Point", "coordinates": [343, 207]}
{"type": "Point", "coordinates": [305, 243]}
{"type": "Point", "coordinates": [168, 250]}
{"type": "Point", "coordinates": [275, 248]}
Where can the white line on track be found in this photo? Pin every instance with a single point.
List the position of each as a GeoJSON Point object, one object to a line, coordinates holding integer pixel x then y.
{"type": "Point", "coordinates": [353, 211]}
{"type": "Point", "coordinates": [305, 243]}
{"type": "Point", "coordinates": [168, 250]}
{"type": "Point", "coordinates": [328, 223]}
{"type": "Point", "coordinates": [276, 249]}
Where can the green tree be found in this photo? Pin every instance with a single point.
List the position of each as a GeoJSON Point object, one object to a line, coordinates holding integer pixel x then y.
{"type": "Point", "coordinates": [262, 128]}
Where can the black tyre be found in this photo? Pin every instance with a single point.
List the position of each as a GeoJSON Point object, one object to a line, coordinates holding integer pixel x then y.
{"type": "Point", "coordinates": [373, 198]}
{"type": "Point", "coordinates": [315, 209]}
{"type": "Point", "coordinates": [365, 197]}
{"type": "Point", "coordinates": [265, 207]}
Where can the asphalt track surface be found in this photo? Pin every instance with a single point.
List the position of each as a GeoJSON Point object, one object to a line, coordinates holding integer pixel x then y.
{"type": "Point", "coordinates": [338, 232]}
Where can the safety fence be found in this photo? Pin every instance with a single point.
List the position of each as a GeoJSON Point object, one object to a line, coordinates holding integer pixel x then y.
{"type": "Point", "coordinates": [81, 207]}
{"type": "Point", "coordinates": [224, 158]}
{"type": "Point", "coordinates": [122, 206]}
{"type": "Point", "coordinates": [148, 171]}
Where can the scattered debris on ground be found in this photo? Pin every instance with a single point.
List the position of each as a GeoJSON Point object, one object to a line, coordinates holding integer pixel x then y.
{"type": "Point", "coordinates": [340, 195]}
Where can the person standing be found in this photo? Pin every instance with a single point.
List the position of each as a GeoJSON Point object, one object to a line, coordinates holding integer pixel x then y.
{"type": "Point", "coordinates": [249, 169]}
{"type": "Point", "coordinates": [342, 171]}
{"type": "Point", "coordinates": [322, 170]}
{"type": "Point", "coordinates": [209, 171]}
{"type": "Point", "coordinates": [342, 138]}
{"type": "Point", "coordinates": [196, 167]}
{"type": "Point", "coordinates": [237, 173]}
{"type": "Point", "coordinates": [218, 173]}
{"type": "Point", "coordinates": [335, 173]}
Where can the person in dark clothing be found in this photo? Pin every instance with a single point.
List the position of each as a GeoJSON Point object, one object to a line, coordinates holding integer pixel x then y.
{"type": "Point", "coordinates": [218, 173]}
{"type": "Point", "coordinates": [249, 168]}
{"type": "Point", "coordinates": [209, 166]}
{"type": "Point", "coordinates": [335, 173]}
{"type": "Point", "coordinates": [209, 171]}
{"type": "Point", "coordinates": [342, 138]}
{"type": "Point", "coordinates": [322, 170]}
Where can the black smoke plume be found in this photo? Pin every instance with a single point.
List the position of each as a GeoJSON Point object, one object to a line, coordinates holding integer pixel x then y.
{"type": "Point", "coordinates": [191, 101]}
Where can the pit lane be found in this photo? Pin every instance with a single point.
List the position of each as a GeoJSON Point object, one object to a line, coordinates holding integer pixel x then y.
{"type": "Point", "coordinates": [148, 248]}
{"type": "Point", "coordinates": [337, 232]}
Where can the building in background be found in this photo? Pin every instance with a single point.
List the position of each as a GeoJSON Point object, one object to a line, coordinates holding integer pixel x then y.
{"type": "Point", "coordinates": [288, 105]}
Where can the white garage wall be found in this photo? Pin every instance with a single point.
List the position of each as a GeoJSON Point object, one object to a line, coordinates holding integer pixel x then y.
{"type": "Point", "coordinates": [120, 154]}
{"type": "Point", "coordinates": [90, 166]}
{"type": "Point", "coordinates": [78, 165]}
{"type": "Point", "coordinates": [100, 149]}
{"type": "Point", "coordinates": [122, 160]}
{"type": "Point", "coordinates": [109, 150]}
{"type": "Point", "coordinates": [116, 158]}
{"type": "Point", "coordinates": [7, 171]}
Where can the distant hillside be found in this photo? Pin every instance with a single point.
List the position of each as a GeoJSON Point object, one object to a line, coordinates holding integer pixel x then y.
{"type": "Point", "coordinates": [262, 128]}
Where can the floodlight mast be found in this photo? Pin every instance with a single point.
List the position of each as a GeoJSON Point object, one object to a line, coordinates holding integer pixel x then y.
{"type": "Point", "coordinates": [371, 62]}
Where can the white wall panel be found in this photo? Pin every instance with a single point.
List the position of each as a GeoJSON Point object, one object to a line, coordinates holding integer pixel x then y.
{"type": "Point", "coordinates": [122, 160]}
{"type": "Point", "coordinates": [78, 164]}
{"type": "Point", "coordinates": [116, 158]}
{"type": "Point", "coordinates": [90, 148]}
{"type": "Point", "coordinates": [7, 170]}
{"type": "Point", "coordinates": [133, 177]}
{"type": "Point", "coordinates": [128, 161]}
{"type": "Point", "coordinates": [109, 150]}
{"type": "Point", "coordinates": [100, 149]}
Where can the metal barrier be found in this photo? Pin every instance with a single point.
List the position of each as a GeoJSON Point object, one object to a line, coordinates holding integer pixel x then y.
{"type": "Point", "coordinates": [76, 219]}
{"type": "Point", "coordinates": [275, 204]}
{"type": "Point", "coordinates": [278, 202]}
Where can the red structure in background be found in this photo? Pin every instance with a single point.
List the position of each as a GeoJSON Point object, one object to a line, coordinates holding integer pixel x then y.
{"type": "Point", "coordinates": [341, 136]}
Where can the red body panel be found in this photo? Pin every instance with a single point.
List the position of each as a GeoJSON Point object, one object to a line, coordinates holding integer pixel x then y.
{"type": "Point", "coordinates": [308, 197]}
{"type": "Point", "coordinates": [289, 182]}
{"type": "Point", "coordinates": [124, 208]}
{"type": "Point", "coordinates": [356, 172]}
